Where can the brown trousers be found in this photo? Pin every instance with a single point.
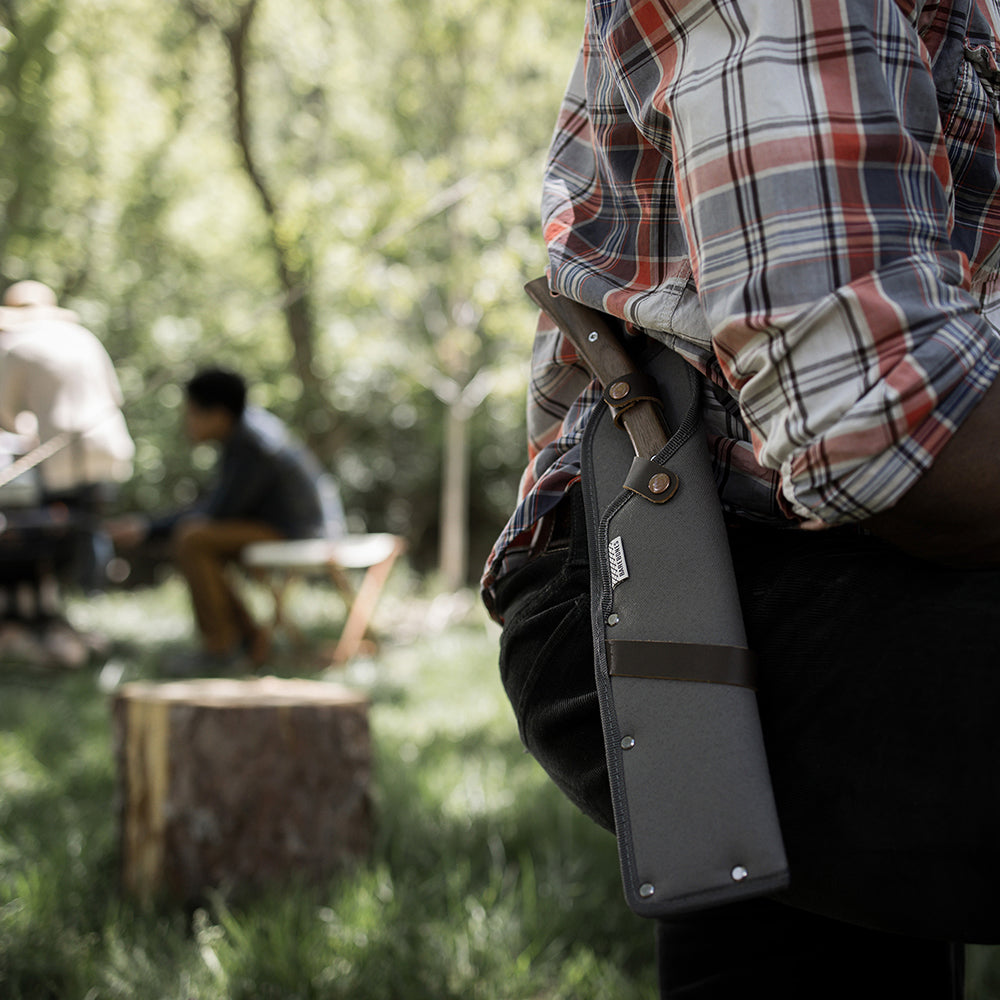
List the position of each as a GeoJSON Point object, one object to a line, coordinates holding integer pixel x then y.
{"type": "Point", "coordinates": [202, 549]}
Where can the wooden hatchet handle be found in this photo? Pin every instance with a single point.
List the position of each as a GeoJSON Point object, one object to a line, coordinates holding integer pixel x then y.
{"type": "Point", "coordinates": [598, 345]}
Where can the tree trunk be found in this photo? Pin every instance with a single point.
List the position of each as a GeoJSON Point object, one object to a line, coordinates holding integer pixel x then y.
{"type": "Point", "coordinates": [454, 541]}
{"type": "Point", "coordinates": [293, 277]}
{"type": "Point", "coordinates": [239, 784]}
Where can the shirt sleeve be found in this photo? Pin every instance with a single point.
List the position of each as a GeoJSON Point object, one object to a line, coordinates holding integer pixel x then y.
{"type": "Point", "coordinates": [815, 194]}
{"type": "Point", "coordinates": [112, 384]}
{"type": "Point", "coordinates": [11, 391]}
{"type": "Point", "coordinates": [561, 396]}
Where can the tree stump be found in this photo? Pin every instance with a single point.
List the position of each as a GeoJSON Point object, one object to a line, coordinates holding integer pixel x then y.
{"type": "Point", "coordinates": [239, 784]}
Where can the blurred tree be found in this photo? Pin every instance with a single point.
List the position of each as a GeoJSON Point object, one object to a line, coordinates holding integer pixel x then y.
{"type": "Point", "coordinates": [340, 200]}
{"type": "Point", "coordinates": [26, 32]}
{"type": "Point", "coordinates": [291, 259]}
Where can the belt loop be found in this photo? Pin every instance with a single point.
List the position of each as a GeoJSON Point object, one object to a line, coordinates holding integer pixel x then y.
{"type": "Point", "coordinates": [578, 551]}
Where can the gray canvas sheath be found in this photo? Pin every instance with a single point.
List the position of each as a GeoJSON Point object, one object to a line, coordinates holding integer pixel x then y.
{"type": "Point", "coordinates": [694, 810]}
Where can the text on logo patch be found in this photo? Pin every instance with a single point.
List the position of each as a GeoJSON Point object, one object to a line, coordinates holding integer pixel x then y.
{"type": "Point", "coordinates": [616, 559]}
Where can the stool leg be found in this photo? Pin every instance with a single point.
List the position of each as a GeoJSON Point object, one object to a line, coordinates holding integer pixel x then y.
{"type": "Point", "coordinates": [362, 608]}
{"type": "Point", "coordinates": [278, 586]}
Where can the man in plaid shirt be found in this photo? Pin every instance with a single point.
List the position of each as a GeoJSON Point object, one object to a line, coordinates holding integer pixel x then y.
{"type": "Point", "coordinates": [803, 199]}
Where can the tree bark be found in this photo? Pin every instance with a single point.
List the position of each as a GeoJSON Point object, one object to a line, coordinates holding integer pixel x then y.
{"type": "Point", "coordinates": [461, 403]}
{"type": "Point", "coordinates": [239, 784]}
{"type": "Point", "coordinates": [454, 541]}
{"type": "Point", "coordinates": [297, 302]}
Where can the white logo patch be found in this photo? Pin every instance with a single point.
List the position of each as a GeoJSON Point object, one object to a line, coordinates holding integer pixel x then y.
{"type": "Point", "coordinates": [616, 559]}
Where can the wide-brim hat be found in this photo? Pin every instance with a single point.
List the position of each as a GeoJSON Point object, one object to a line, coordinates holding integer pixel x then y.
{"type": "Point", "coordinates": [31, 302]}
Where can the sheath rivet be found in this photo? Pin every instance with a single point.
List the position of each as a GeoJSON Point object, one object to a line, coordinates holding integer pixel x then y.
{"type": "Point", "coordinates": [592, 336]}
{"type": "Point", "coordinates": [613, 619]}
{"type": "Point", "coordinates": [628, 742]}
{"type": "Point", "coordinates": [739, 873]}
{"type": "Point", "coordinates": [619, 390]}
{"type": "Point", "coordinates": [660, 483]}
{"type": "Point", "coordinates": [646, 890]}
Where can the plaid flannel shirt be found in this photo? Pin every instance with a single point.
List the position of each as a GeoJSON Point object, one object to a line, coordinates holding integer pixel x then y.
{"type": "Point", "coordinates": [804, 200]}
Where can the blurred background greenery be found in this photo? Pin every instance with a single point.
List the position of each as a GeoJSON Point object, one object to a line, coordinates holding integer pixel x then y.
{"type": "Point", "coordinates": [340, 200]}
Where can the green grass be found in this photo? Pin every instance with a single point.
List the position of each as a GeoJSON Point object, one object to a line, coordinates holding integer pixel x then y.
{"type": "Point", "coordinates": [484, 883]}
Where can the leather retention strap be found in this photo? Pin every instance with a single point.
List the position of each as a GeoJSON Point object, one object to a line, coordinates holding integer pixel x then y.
{"type": "Point", "coordinates": [682, 661]}
{"type": "Point", "coordinates": [625, 391]}
{"type": "Point", "coordinates": [654, 482]}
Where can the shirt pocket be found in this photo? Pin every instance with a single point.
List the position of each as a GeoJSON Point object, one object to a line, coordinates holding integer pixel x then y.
{"type": "Point", "coordinates": [970, 118]}
{"type": "Point", "coordinates": [978, 89]}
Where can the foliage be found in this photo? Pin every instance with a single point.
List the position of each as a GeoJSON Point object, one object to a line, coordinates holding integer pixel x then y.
{"type": "Point", "coordinates": [400, 144]}
{"type": "Point", "coordinates": [484, 883]}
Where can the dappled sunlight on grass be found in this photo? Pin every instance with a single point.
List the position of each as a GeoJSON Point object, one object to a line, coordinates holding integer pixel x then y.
{"type": "Point", "coordinates": [20, 771]}
{"type": "Point", "coordinates": [144, 617]}
{"type": "Point", "coordinates": [483, 882]}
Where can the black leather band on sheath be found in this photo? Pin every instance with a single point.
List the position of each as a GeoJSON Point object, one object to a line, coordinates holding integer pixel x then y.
{"type": "Point", "coordinates": [681, 661]}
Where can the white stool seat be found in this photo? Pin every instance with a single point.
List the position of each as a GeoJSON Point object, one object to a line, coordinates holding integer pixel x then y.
{"type": "Point", "coordinates": [281, 561]}
{"type": "Point", "coordinates": [304, 554]}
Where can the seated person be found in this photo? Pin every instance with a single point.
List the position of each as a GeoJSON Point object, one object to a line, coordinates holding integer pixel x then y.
{"type": "Point", "coordinates": [59, 373]}
{"type": "Point", "coordinates": [268, 488]}
{"type": "Point", "coordinates": [60, 395]}
{"type": "Point", "coordinates": [58, 384]}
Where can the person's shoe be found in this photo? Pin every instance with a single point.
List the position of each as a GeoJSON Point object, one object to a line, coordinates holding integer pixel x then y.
{"type": "Point", "coordinates": [203, 663]}
{"type": "Point", "coordinates": [21, 647]}
{"type": "Point", "coordinates": [65, 646]}
{"type": "Point", "coordinates": [98, 645]}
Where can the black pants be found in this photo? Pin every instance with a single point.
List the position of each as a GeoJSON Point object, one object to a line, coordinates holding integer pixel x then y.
{"type": "Point", "coordinates": [879, 689]}
{"type": "Point", "coordinates": [92, 547]}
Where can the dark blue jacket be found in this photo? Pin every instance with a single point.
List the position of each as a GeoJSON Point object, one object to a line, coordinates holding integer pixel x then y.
{"type": "Point", "coordinates": [266, 475]}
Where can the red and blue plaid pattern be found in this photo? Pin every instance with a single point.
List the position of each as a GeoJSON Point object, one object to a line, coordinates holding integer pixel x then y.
{"type": "Point", "coordinates": [803, 198]}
